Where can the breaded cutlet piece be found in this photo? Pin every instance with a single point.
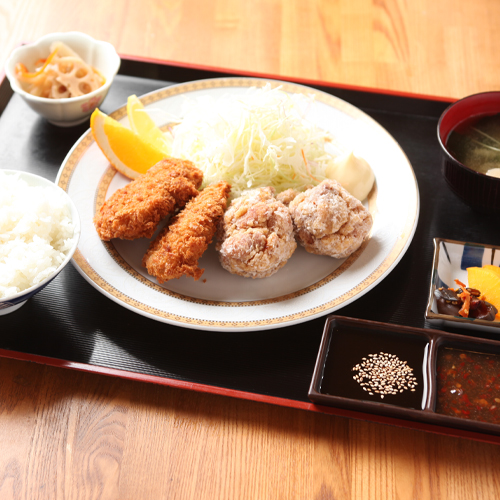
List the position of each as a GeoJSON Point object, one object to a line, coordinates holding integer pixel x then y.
{"type": "Point", "coordinates": [135, 210]}
{"type": "Point", "coordinates": [185, 167]}
{"type": "Point", "coordinates": [177, 249]}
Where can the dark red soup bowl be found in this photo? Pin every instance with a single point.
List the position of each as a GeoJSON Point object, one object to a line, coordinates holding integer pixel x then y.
{"type": "Point", "coordinates": [479, 191]}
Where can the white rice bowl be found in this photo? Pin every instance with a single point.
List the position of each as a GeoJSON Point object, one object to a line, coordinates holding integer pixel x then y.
{"type": "Point", "coordinates": [39, 230]}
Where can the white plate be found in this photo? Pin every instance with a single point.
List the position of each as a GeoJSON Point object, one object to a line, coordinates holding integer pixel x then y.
{"type": "Point", "coordinates": [451, 260]}
{"type": "Point", "coordinates": [307, 287]}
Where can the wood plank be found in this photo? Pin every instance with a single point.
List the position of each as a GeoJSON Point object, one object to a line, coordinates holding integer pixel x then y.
{"type": "Point", "coordinates": [72, 435]}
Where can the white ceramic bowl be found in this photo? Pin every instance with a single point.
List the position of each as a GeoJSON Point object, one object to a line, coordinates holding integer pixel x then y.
{"type": "Point", "coordinates": [73, 110]}
{"type": "Point", "coordinates": [14, 302]}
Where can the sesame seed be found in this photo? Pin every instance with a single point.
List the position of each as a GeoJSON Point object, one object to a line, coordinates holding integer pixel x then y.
{"type": "Point", "coordinates": [384, 374]}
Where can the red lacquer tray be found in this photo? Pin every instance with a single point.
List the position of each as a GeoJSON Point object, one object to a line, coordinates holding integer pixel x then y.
{"type": "Point", "coordinates": [70, 324]}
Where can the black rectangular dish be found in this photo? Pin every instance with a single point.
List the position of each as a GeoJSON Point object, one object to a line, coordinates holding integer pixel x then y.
{"type": "Point", "coordinates": [70, 324]}
{"type": "Point", "coordinates": [415, 374]}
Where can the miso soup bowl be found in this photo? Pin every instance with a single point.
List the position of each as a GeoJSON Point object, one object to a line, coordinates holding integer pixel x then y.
{"type": "Point", "coordinates": [480, 191]}
{"type": "Point", "coordinates": [69, 111]}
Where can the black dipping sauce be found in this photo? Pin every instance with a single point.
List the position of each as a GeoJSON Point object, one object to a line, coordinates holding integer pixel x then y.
{"type": "Point", "coordinates": [349, 345]}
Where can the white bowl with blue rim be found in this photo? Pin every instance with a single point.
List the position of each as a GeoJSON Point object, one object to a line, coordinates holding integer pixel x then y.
{"type": "Point", "coordinates": [11, 303]}
{"type": "Point", "coordinates": [451, 260]}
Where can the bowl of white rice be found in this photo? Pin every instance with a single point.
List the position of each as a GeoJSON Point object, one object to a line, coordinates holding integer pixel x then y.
{"type": "Point", "coordinates": [39, 232]}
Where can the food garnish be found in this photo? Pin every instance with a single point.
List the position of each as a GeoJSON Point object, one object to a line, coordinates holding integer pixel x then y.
{"type": "Point", "coordinates": [144, 126]}
{"type": "Point", "coordinates": [354, 173]}
{"type": "Point", "coordinates": [125, 150]}
{"type": "Point", "coordinates": [384, 374]}
{"type": "Point", "coordinates": [63, 74]}
{"type": "Point", "coordinates": [258, 139]}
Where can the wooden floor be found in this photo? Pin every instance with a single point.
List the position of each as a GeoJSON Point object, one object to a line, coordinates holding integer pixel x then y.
{"type": "Point", "coordinates": [71, 435]}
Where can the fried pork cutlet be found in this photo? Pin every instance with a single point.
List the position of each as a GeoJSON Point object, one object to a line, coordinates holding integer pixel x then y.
{"type": "Point", "coordinates": [185, 168]}
{"type": "Point", "coordinates": [177, 249]}
{"type": "Point", "coordinates": [135, 210]}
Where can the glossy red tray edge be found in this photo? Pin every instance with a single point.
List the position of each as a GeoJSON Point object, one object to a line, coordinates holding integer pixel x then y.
{"type": "Point", "coordinates": [253, 74]}
{"type": "Point", "coordinates": [302, 81]}
{"type": "Point", "coordinates": [180, 384]}
{"type": "Point", "coordinates": [250, 396]}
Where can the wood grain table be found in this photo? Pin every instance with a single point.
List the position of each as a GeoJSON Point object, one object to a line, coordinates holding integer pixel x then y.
{"type": "Point", "coordinates": [72, 435]}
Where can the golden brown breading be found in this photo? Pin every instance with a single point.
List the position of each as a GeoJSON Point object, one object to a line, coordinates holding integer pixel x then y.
{"type": "Point", "coordinates": [177, 249]}
{"type": "Point", "coordinates": [184, 167]}
{"type": "Point", "coordinates": [135, 210]}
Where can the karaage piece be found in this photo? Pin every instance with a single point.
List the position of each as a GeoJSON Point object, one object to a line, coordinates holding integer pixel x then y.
{"type": "Point", "coordinates": [135, 210]}
{"type": "Point", "coordinates": [287, 196]}
{"type": "Point", "coordinates": [176, 250]}
{"type": "Point", "coordinates": [255, 237]}
{"type": "Point", "coordinates": [330, 221]}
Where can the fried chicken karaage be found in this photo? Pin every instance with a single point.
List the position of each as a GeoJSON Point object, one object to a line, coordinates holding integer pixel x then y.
{"type": "Point", "coordinates": [255, 237]}
{"type": "Point", "coordinates": [329, 221]}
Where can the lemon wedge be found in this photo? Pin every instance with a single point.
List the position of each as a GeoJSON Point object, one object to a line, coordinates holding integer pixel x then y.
{"type": "Point", "coordinates": [144, 126]}
{"type": "Point", "coordinates": [124, 149]}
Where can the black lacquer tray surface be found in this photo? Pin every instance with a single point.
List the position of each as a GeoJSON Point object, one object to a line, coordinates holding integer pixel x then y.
{"type": "Point", "coordinates": [72, 322]}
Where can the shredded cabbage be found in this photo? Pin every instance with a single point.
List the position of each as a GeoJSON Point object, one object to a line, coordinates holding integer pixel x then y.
{"type": "Point", "coordinates": [260, 138]}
